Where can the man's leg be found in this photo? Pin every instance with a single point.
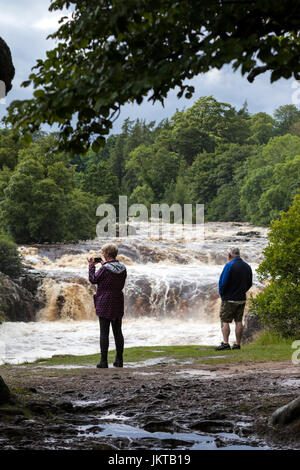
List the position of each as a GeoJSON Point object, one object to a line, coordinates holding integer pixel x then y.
{"type": "Point", "coordinates": [238, 332]}
{"type": "Point", "coordinates": [226, 318]}
{"type": "Point", "coordinates": [238, 317]}
{"type": "Point", "coordinates": [225, 331]}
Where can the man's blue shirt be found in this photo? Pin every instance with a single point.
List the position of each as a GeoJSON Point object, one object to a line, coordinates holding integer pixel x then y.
{"type": "Point", "coordinates": [235, 280]}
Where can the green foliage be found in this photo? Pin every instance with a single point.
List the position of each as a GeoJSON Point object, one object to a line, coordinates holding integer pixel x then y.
{"type": "Point", "coordinates": [210, 154]}
{"type": "Point", "coordinates": [261, 128]}
{"type": "Point", "coordinates": [10, 260]}
{"type": "Point", "coordinates": [112, 52]}
{"type": "Point", "coordinates": [10, 144]}
{"type": "Point", "coordinates": [39, 200]}
{"type": "Point", "coordinates": [279, 308]}
{"type": "Point", "coordinates": [282, 255]}
{"type": "Point", "coordinates": [279, 303]}
{"type": "Point", "coordinates": [285, 116]}
{"type": "Point", "coordinates": [271, 181]}
{"type": "Point", "coordinates": [142, 195]}
{"type": "Point", "coordinates": [101, 181]}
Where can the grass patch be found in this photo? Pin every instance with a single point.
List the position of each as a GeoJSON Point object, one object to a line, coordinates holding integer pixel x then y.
{"type": "Point", "coordinates": [267, 347]}
{"type": "Point", "coordinates": [136, 354]}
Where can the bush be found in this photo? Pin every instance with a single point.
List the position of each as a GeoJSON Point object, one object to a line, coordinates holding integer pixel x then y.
{"type": "Point", "coordinates": [279, 304]}
{"type": "Point", "coordinates": [10, 260]}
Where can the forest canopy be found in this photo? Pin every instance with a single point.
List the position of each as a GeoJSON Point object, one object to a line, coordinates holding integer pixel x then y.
{"type": "Point", "coordinates": [241, 166]}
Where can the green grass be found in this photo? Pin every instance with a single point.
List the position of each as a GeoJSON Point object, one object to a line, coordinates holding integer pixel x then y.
{"type": "Point", "coordinates": [267, 347]}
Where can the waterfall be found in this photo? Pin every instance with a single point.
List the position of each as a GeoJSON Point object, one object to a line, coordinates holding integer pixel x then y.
{"type": "Point", "coordinates": [165, 280]}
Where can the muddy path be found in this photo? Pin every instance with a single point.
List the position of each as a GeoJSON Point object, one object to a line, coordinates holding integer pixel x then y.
{"type": "Point", "coordinates": [163, 406]}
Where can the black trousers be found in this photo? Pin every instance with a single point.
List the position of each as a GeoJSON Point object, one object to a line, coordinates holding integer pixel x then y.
{"type": "Point", "coordinates": [104, 337]}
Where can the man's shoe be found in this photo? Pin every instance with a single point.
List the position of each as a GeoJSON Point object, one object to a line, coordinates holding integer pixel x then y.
{"type": "Point", "coordinates": [118, 363]}
{"type": "Point", "coordinates": [236, 346]}
{"type": "Point", "coordinates": [102, 365]}
{"type": "Point", "coordinates": [223, 347]}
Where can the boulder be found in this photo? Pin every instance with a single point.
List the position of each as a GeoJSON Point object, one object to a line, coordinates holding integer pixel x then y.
{"type": "Point", "coordinates": [287, 413]}
{"type": "Point", "coordinates": [17, 303]}
{"type": "Point", "coordinates": [252, 327]}
{"type": "Point", "coordinates": [4, 392]}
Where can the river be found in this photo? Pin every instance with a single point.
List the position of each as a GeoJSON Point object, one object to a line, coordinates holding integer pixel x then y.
{"type": "Point", "coordinates": [171, 293]}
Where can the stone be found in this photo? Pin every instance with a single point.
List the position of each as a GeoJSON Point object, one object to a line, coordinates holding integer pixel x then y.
{"type": "Point", "coordinates": [158, 425]}
{"type": "Point", "coordinates": [252, 327]}
{"type": "Point", "coordinates": [287, 413]}
{"type": "Point", "coordinates": [17, 303]}
{"type": "Point", "coordinates": [212, 426]}
{"type": "Point", "coordinates": [4, 392]}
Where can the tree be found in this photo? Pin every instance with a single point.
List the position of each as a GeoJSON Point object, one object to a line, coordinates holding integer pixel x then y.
{"type": "Point", "coordinates": [205, 124]}
{"type": "Point", "coordinates": [269, 190]}
{"type": "Point", "coordinates": [142, 195]}
{"type": "Point", "coordinates": [10, 260]}
{"type": "Point", "coordinates": [111, 52]}
{"type": "Point", "coordinates": [285, 116]}
{"type": "Point", "coordinates": [279, 304]}
{"type": "Point", "coordinates": [101, 181]}
{"type": "Point", "coordinates": [154, 166]}
{"type": "Point", "coordinates": [40, 199]}
{"type": "Point", "coordinates": [261, 127]}
{"type": "Point", "coordinates": [10, 145]}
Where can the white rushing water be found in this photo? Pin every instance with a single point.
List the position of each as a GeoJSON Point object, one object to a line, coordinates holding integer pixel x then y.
{"type": "Point", "coordinates": [26, 342]}
{"type": "Point", "coordinates": [171, 293]}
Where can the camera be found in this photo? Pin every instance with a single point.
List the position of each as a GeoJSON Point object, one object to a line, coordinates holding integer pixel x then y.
{"type": "Point", "coordinates": [97, 260]}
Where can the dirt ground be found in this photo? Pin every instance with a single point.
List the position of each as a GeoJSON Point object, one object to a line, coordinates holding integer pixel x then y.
{"type": "Point", "coordinates": [163, 406]}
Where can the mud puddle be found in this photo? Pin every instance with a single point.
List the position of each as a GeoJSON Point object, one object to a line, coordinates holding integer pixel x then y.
{"type": "Point", "coordinates": [167, 406]}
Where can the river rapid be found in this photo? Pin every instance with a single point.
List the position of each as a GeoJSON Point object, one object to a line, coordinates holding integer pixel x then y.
{"type": "Point", "coordinates": [171, 292]}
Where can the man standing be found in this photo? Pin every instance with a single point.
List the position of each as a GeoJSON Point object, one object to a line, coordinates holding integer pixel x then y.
{"type": "Point", "coordinates": [234, 282]}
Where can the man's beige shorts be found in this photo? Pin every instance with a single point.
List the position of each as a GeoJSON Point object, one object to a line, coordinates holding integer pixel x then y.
{"type": "Point", "coordinates": [231, 311]}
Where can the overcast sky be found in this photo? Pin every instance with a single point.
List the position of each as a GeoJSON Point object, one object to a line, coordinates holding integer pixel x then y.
{"type": "Point", "coordinates": [25, 25]}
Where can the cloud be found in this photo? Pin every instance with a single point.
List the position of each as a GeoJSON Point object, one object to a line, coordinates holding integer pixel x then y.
{"type": "Point", "coordinates": [226, 86]}
{"type": "Point", "coordinates": [50, 22]}
{"type": "Point", "coordinates": [25, 25]}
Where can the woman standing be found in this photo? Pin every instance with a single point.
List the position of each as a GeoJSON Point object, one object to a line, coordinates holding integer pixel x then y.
{"type": "Point", "coordinates": [109, 301]}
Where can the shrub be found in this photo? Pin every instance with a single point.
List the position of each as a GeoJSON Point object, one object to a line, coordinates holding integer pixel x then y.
{"type": "Point", "coordinates": [279, 304]}
{"type": "Point", "coordinates": [279, 308]}
{"type": "Point", "coordinates": [10, 260]}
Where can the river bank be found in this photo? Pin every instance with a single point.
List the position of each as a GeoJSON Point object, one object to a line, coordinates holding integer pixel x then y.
{"type": "Point", "coordinates": [164, 404]}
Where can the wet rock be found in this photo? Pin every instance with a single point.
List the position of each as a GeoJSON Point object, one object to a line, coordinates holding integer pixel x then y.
{"type": "Point", "coordinates": [216, 415]}
{"type": "Point", "coordinates": [5, 395]}
{"type": "Point", "coordinates": [16, 302]}
{"type": "Point", "coordinates": [252, 327]}
{"type": "Point", "coordinates": [162, 396]}
{"type": "Point", "coordinates": [66, 406]}
{"type": "Point", "coordinates": [30, 279]}
{"type": "Point", "coordinates": [287, 413]}
{"type": "Point", "coordinates": [12, 411]}
{"type": "Point", "coordinates": [104, 446]}
{"type": "Point", "coordinates": [155, 425]}
{"type": "Point", "coordinates": [209, 425]}
{"type": "Point", "coordinates": [174, 443]}
{"type": "Point", "coordinates": [248, 234]}
{"type": "Point", "coordinates": [41, 407]}
{"type": "Point", "coordinates": [92, 430]}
